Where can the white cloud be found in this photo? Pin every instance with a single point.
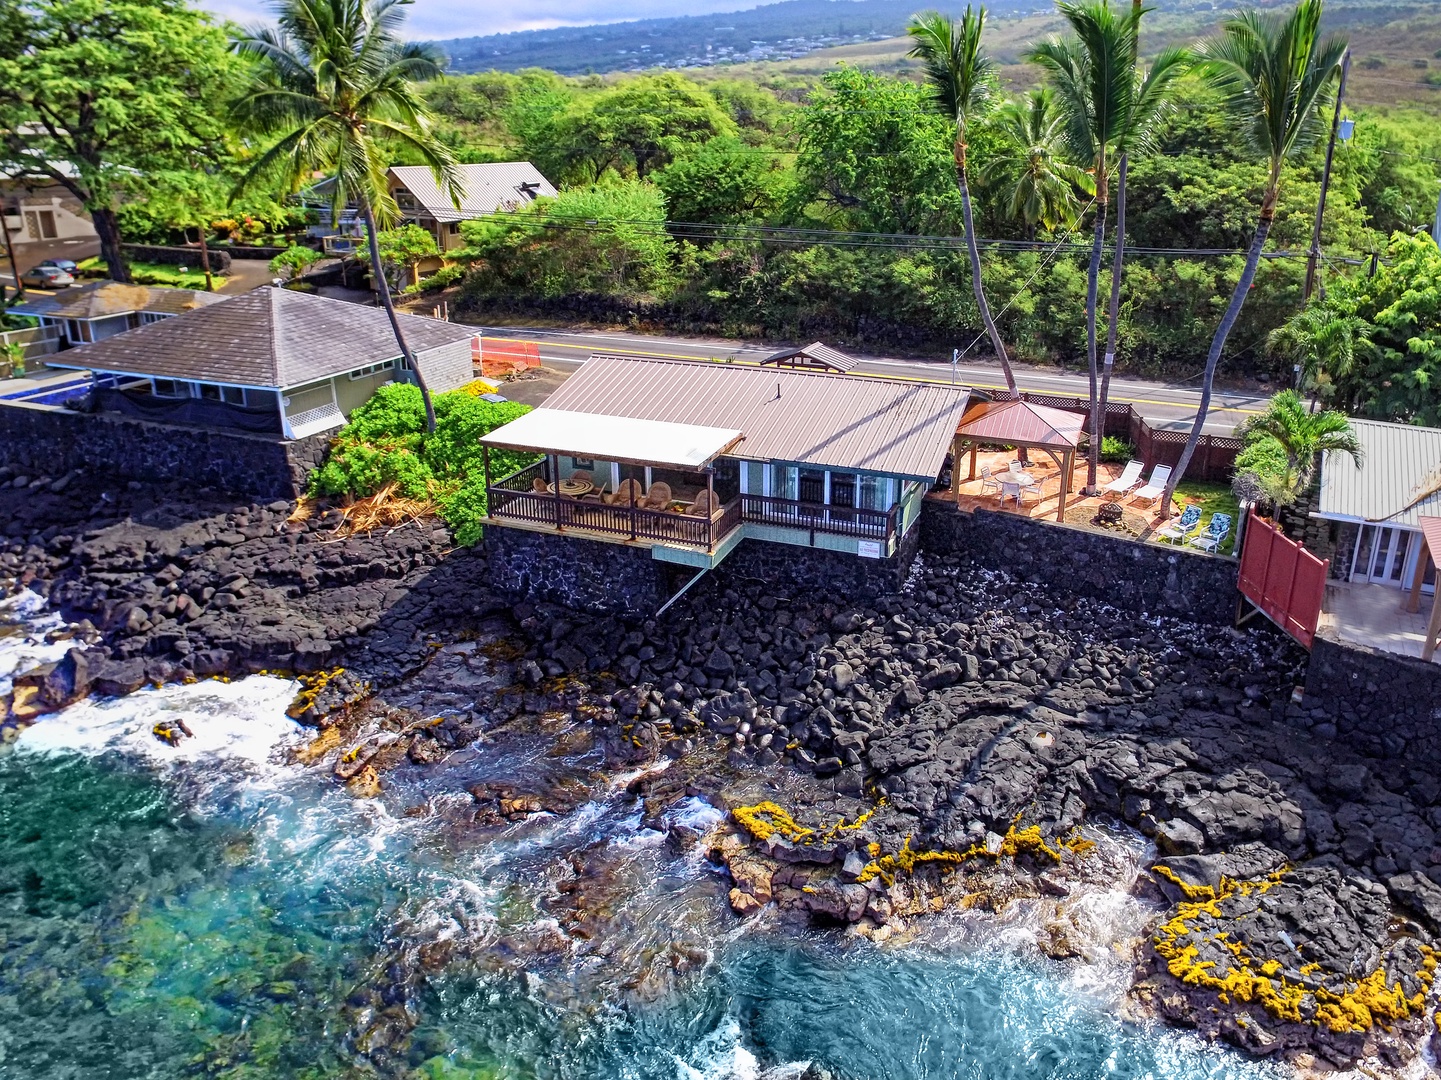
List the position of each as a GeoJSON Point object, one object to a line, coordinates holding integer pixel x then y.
{"type": "Point", "coordinates": [439, 19]}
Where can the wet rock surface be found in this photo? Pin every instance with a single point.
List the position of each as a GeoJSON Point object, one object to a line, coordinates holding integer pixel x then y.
{"type": "Point", "coordinates": [955, 744]}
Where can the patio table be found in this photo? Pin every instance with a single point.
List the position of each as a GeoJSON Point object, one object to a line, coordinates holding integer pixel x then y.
{"type": "Point", "coordinates": [575, 488]}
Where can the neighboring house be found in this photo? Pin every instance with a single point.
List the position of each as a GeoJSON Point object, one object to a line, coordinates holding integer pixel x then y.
{"type": "Point", "coordinates": [497, 187]}
{"type": "Point", "coordinates": [270, 360]}
{"type": "Point", "coordinates": [687, 459]}
{"type": "Point", "coordinates": [102, 309]}
{"type": "Point", "coordinates": [36, 211]}
{"type": "Point", "coordinates": [1378, 505]}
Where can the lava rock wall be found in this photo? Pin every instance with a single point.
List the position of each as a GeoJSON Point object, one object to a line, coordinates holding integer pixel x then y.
{"type": "Point", "coordinates": [587, 575]}
{"type": "Point", "coordinates": [1379, 704]}
{"type": "Point", "coordinates": [1131, 576]}
{"type": "Point", "coordinates": [49, 440]}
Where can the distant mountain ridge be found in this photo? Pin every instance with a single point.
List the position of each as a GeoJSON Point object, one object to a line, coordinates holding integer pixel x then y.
{"type": "Point", "coordinates": [772, 32]}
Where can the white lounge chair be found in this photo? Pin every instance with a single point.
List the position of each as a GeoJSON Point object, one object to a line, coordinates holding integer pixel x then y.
{"type": "Point", "coordinates": [1154, 486]}
{"type": "Point", "coordinates": [1214, 535]}
{"type": "Point", "coordinates": [1129, 478]}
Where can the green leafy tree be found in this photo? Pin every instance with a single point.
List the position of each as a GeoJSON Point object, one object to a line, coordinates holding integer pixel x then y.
{"type": "Point", "coordinates": [403, 249]}
{"type": "Point", "coordinates": [961, 78]}
{"type": "Point", "coordinates": [875, 156]}
{"type": "Point", "coordinates": [1031, 164]}
{"type": "Point", "coordinates": [330, 83]}
{"type": "Point", "coordinates": [1323, 343]}
{"type": "Point", "coordinates": [1275, 73]}
{"type": "Point", "coordinates": [100, 96]}
{"type": "Point", "coordinates": [1282, 446]}
{"type": "Point", "coordinates": [1399, 376]}
{"type": "Point", "coordinates": [721, 182]}
{"type": "Point", "coordinates": [1111, 108]}
{"type": "Point", "coordinates": [607, 239]}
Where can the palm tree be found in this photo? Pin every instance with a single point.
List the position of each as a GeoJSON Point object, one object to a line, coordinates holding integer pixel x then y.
{"type": "Point", "coordinates": [1303, 435]}
{"type": "Point", "coordinates": [1109, 109]}
{"type": "Point", "coordinates": [1043, 183]}
{"type": "Point", "coordinates": [330, 82]}
{"type": "Point", "coordinates": [1275, 73]}
{"type": "Point", "coordinates": [1323, 343]}
{"type": "Point", "coordinates": [962, 82]}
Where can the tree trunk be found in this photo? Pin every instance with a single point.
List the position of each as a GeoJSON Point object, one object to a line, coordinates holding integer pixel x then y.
{"type": "Point", "coordinates": [1233, 312]}
{"type": "Point", "coordinates": [1113, 315]}
{"type": "Point", "coordinates": [108, 229]}
{"type": "Point", "coordinates": [383, 287]}
{"type": "Point", "coordinates": [974, 252]}
{"type": "Point", "coordinates": [1092, 278]}
{"type": "Point", "coordinates": [205, 260]}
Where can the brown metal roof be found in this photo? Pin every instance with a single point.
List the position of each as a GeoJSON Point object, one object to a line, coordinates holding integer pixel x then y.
{"type": "Point", "coordinates": [818, 352]}
{"type": "Point", "coordinates": [1431, 529]}
{"type": "Point", "coordinates": [275, 338]}
{"type": "Point", "coordinates": [839, 421]}
{"type": "Point", "coordinates": [1021, 422]}
{"type": "Point", "coordinates": [102, 299]}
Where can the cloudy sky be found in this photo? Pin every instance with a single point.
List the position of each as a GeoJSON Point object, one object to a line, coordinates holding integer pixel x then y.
{"type": "Point", "coordinates": [431, 19]}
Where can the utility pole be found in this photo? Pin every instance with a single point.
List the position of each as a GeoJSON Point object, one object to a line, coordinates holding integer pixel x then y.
{"type": "Point", "coordinates": [1436, 228]}
{"type": "Point", "coordinates": [14, 268]}
{"type": "Point", "coordinates": [1313, 258]}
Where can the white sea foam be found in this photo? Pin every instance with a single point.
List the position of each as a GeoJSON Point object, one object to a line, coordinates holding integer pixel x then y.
{"type": "Point", "coordinates": [242, 720]}
{"type": "Point", "coordinates": [23, 626]}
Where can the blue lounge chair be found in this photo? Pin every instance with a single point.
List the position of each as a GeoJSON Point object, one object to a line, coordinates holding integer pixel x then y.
{"type": "Point", "coordinates": [1214, 533]}
{"type": "Point", "coordinates": [1181, 529]}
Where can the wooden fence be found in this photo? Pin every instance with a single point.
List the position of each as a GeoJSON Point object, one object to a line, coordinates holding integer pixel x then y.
{"type": "Point", "coordinates": [1215, 456]}
{"type": "Point", "coordinates": [1283, 580]}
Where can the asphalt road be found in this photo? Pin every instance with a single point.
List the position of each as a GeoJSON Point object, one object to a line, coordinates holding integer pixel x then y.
{"type": "Point", "coordinates": [1162, 404]}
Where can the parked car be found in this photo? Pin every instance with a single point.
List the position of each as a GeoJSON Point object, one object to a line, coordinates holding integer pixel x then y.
{"type": "Point", "coordinates": [46, 277]}
{"type": "Point", "coordinates": [67, 265]}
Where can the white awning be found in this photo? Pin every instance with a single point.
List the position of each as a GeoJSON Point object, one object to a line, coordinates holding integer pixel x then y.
{"type": "Point", "coordinates": [614, 438]}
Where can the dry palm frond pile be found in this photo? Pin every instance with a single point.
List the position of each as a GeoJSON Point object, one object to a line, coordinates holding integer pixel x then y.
{"type": "Point", "coordinates": [386, 509]}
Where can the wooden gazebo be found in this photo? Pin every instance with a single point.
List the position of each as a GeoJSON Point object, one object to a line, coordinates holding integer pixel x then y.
{"type": "Point", "coordinates": [1430, 553]}
{"type": "Point", "coordinates": [817, 356]}
{"type": "Point", "coordinates": [1054, 432]}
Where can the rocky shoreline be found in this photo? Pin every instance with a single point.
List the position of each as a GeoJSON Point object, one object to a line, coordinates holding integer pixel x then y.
{"type": "Point", "coordinates": [952, 746]}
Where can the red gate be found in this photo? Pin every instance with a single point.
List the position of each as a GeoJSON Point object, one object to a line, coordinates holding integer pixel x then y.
{"type": "Point", "coordinates": [1284, 581]}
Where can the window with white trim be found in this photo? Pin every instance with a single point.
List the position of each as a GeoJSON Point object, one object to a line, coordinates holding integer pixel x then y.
{"type": "Point", "coordinates": [372, 369]}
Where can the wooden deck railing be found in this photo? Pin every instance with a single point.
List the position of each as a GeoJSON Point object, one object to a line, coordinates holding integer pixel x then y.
{"type": "Point", "coordinates": [514, 497]}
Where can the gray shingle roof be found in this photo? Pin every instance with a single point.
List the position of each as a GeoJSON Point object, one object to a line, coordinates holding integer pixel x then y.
{"type": "Point", "coordinates": [102, 299]}
{"type": "Point", "coordinates": [1397, 481]}
{"type": "Point", "coordinates": [487, 188]}
{"type": "Point", "coordinates": [268, 337]}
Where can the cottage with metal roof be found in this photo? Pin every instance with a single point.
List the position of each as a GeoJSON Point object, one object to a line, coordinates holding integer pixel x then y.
{"type": "Point", "coordinates": [1378, 505]}
{"type": "Point", "coordinates": [103, 309]}
{"type": "Point", "coordinates": [270, 360]}
{"type": "Point", "coordinates": [688, 459]}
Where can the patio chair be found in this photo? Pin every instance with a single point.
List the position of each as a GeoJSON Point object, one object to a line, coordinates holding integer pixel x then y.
{"type": "Point", "coordinates": [1033, 488]}
{"type": "Point", "coordinates": [582, 475]}
{"type": "Point", "coordinates": [539, 486]}
{"type": "Point", "coordinates": [1214, 534]}
{"type": "Point", "coordinates": [658, 497]}
{"type": "Point", "coordinates": [702, 505]}
{"type": "Point", "coordinates": [1181, 529]}
{"type": "Point", "coordinates": [988, 482]}
{"type": "Point", "coordinates": [1010, 490]}
{"type": "Point", "coordinates": [1154, 486]}
{"type": "Point", "coordinates": [629, 490]}
{"type": "Point", "coordinates": [1129, 478]}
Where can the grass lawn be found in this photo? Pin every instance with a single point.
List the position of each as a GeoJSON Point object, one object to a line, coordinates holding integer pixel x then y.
{"type": "Point", "coordinates": [145, 273]}
{"type": "Point", "coordinates": [1214, 498]}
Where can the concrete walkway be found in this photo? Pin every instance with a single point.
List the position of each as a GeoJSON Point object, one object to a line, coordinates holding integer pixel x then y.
{"type": "Point", "coordinates": [1376, 616]}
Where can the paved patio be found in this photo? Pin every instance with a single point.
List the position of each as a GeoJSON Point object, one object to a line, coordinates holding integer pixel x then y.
{"type": "Point", "coordinates": [1139, 518]}
{"type": "Point", "coordinates": [1376, 616]}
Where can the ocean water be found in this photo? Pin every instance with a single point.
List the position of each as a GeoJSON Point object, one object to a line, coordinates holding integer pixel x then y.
{"type": "Point", "coordinates": [207, 910]}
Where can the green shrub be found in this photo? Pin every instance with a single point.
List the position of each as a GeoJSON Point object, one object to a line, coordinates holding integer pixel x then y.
{"type": "Point", "coordinates": [293, 260]}
{"type": "Point", "coordinates": [445, 276]}
{"type": "Point", "coordinates": [385, 443]}
{"type": "Point", "coordinates": [1116, 449]}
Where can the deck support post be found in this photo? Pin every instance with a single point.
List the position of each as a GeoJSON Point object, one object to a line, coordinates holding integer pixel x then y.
{"type": "Point", "coordinates": [710, 509]}
{"type": "Point", "coordinates": [1433, 628]}
{"type": "Point", "coordinates": [1413, 602]}
{"type": "Point", "coordinates": [555, 485]}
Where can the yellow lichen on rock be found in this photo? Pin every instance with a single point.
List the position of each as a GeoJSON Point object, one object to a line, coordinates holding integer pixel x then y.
{"type": "Point", "coordinates": [310, 687]}
{"type": "Point", "coordinates": [766, 819]}
{"type": "Point", "coordinates": [1015, 842]}
{"type": "Point", "coordinates": [1359, 1007]}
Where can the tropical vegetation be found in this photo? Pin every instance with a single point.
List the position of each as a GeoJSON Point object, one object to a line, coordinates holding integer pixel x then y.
{"type": "Point", "coordinates": [1283, 447]}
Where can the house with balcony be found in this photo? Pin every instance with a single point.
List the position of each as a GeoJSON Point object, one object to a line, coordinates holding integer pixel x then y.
{"type": "Point", "coordinates": [644, 464]}
{"type": "Point", "coordinates": [270, 361]}
{"type": "Point", "coordinates": [490, 188]}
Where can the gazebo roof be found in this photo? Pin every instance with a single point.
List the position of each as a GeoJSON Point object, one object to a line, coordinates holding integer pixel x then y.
{"type": "Point", "coordinates": [1021, 423]}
